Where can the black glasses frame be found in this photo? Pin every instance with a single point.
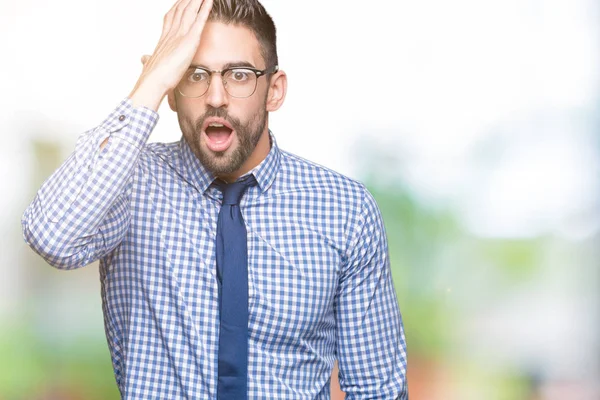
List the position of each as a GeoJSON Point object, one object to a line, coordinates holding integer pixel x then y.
{"type": "Point", "coordinates": [257, 72]}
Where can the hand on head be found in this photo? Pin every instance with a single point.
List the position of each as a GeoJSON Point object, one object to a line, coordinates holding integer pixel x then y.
{"type": "Point", "coordinates": [178, 43]}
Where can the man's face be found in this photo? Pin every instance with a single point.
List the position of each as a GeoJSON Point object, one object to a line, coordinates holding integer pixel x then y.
{"type": "Point", "coordinates": [224, 150]}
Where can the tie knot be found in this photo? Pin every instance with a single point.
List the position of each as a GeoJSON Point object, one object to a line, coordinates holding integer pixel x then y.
{"type": "Point", "coordinates": [233, 192]}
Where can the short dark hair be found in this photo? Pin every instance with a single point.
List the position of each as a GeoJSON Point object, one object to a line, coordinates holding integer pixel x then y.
{"type": "Point", "coordinates": [252, 15]}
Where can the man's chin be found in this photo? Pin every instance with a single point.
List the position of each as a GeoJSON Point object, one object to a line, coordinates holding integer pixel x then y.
{"type": "Point", "coordinates": [221, 163]}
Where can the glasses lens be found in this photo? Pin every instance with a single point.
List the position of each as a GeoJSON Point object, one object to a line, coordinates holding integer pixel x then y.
{"type": "Point", "coordinates": [240, 82]}
{"type": "Point", "coordinates": [194, 82]}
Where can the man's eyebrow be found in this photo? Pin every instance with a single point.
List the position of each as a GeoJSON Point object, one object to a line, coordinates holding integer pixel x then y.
{"type": "Point", "coordinates": [228, 65]}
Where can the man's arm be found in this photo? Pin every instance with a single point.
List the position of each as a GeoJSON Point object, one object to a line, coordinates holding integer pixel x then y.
{"type": "Point", "coordinates": [371, 345]}
{"type": "Point", "coordinates": [82, 211]}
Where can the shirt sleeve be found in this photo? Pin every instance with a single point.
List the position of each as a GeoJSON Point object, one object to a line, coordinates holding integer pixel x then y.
{"type": "Point", "coordinates": [81, 212]}
{"type": "Point", "coordinates": [371, 346]}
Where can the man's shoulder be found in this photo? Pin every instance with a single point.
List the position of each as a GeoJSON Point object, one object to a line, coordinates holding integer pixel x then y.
{"type": "Point", "coordinates": [302, 171]}
{"type": "Point", "coordinates": [161, 153]}
{"type": "Point", "coordinates": [161, 160]}
{"type": "Point", "coordinates": [155, 149]}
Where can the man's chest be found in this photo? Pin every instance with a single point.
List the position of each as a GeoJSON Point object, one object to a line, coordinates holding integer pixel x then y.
{"type": "Point", "coordinates": [294, 256]}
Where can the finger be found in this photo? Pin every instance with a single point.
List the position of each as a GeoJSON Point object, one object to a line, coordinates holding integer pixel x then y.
{"type": "Point", "coordinates": [178, 15]}
{"type": "Point", "coordinates": [168, 19]}
{"type": "Point", "coordinates": [145, 58]}
{"type": "Point", "coordinates": [174, 6]}
{"type": "Point", "coordinates": [202, 16]}
{"type": "Point", "coordinates": [190, 14]}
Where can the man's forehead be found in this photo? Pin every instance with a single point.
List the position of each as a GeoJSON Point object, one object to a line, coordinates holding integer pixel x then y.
{"type": "Point", "coordinates": [231, 64]}
{"type": "Point", "coordinates": [224, 44]}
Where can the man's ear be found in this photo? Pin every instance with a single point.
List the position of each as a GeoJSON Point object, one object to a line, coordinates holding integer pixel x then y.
{"type": "Point", "coordinates": [277, 91]}
{"type": "Point", "coordinates": [171, 100]}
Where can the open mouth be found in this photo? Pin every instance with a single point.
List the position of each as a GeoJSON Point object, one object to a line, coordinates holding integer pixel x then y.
{"type": "Point", "coordinates": [218, 133]}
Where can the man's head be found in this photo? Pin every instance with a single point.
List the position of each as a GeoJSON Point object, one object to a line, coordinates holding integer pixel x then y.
{"type": "Point", "coordinates": [239, 33]}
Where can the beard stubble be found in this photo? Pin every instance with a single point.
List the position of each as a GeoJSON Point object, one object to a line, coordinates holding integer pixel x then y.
{"type": "Point", "coordinates": [231, 160]}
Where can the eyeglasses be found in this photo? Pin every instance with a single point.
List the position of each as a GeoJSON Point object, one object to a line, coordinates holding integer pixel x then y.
{"type": "Point", "coordinates": [239, 82]}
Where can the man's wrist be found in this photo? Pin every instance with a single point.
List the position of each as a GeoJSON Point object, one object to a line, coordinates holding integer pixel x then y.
{"type": "Point", "coordinates": [145, 94]}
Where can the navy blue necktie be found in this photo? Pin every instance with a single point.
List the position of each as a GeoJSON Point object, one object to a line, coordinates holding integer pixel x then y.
{"type": "Point", "coordinates": [232, 273]}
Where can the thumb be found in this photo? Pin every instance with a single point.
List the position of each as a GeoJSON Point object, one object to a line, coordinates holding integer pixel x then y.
{"type": "Point", "coordinates": [145, 58]}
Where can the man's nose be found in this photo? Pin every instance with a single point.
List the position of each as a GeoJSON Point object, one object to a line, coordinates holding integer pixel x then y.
{"type": "Point", "coordinates": [217, 96]}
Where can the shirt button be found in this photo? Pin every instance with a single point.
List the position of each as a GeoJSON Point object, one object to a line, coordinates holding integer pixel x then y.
{"type": "Point", "coordinates": [121, 118]}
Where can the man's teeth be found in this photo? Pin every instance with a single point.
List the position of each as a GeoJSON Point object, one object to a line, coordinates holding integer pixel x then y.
{"type": "Point", "coordinates": [215, 125]}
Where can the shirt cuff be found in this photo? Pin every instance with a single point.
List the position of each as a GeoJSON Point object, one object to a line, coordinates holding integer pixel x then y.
{"type": "Point", "coordinates": [133, 125]}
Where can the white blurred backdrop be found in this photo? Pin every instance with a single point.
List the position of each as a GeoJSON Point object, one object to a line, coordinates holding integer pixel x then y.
{"type": "Point", "coordinates": [488, 109]}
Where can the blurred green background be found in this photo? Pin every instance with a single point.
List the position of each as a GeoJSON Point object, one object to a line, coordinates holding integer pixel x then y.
{"type": "Point", "coordinates": [475, 124]}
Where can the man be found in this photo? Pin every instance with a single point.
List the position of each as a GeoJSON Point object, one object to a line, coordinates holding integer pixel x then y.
{"type": "Point", "coordinates": [208, 294]}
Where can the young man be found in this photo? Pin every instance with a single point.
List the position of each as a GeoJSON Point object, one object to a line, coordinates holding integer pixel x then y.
{"type": "Point", "coordinates": [230, 268]}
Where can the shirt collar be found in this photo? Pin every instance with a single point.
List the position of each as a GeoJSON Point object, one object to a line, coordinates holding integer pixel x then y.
{"type": "Point", "coordinates": [201, 178]}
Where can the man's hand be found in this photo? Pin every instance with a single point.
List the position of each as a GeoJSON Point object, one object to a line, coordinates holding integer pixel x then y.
{"type": "Point", "coordinates": [182, 29]}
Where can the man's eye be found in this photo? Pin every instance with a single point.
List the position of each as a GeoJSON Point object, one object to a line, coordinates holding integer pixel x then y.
{"type": "Point", "coordinates": [197, 76]}
{"type": "Point", "coordinates": [241, 75]}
